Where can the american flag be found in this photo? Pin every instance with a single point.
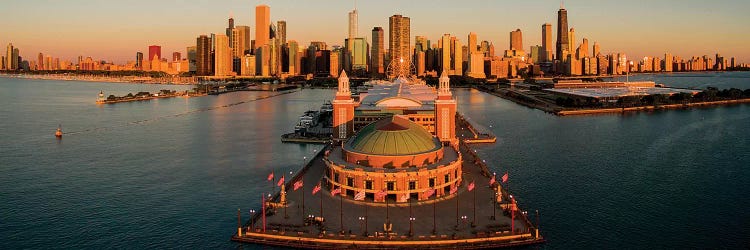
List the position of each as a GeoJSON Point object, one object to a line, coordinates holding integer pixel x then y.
{"type": "Point", "coordinates": [281, 181]}
{"type": "Point", "coordinates": [297, 185]}
{"type": "Point", "coordinates": [359, 196]}
{"type": "Point", "coordinates": [492, 181]}
{"type": "Point", "coordinates": [316, 189]}
{"type": "Point", "coordinates": [471, 186]}
{"type": "Point", "coordinates": [454, 189]}
{"type": "Point", "coordinates": [270, 176]}
{"type": "Point", "coordinates": [380, 194]}
{"type": "Point", "coordinates": [505, 177]}
{"type": "Point", "coordinates": [403, 198]}
{"type": "Point", "coordinates": [335, 191]}
{"type": "Point", "coordinates": [429, 193]}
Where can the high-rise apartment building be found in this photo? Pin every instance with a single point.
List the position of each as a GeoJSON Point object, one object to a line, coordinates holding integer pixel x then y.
{"type": "Point", "coordinates": [192, 57]}
{"type": "Point", "coordinates": [378, 53]}
{"type": "Point", "coordinates": [9, 57]}
{"type": "Point", "coordinates": [176, 56]}
{"type": "Point", "coordinates": [262, 25]}
{"type": "Point", "coordinates": [562, 44]}
{"type": "Point", "coordinates": [154, 51]}
{"type": "Point", "coordinates": [547, 42]}
{"type": "Point", "coordinates": [399, 38]}
{"type": "Point", "coordinates": [203, 56]}
{"type": "Point", "coordinates": [472, 43]}
{"type": "Point", "coordinates": [596, 50]}
{"type": "Point", "coordinates": [572, 39]}
{"type": "Point", "coordinates": [40, 61]}
{"type": "Point", "coordinates": [223, 61]}
{"type": "Point", "coordinates": [138, 60]}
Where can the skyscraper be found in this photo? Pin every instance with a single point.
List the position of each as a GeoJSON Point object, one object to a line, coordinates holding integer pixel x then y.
{"type": "Point", "coordinates": [399, 38]}
{"type": "Point", "coordinates": [445, 55]}
{"type": "Point", "coordinates": [562, 44]}
{"type": "Point", "coordinates": [223, 63]}
{"type": "Point", "coordinates": [516, 40]}
{"type": "Point", "coordinates": [240, 42]}
{"type": "Point", "coordinates": [230, 27]}
{"type": "Point", "coordinates": [596, 49]}
{"type": "Point", "coordinates": [262, 25]}
{"type": "Point", "coordinates": [547, 42]}
{"type": "Point", "coordinates": [154, 50]}
{"type": "Point", "coordinates": [203, 56]}
{"type": "Point", "coordinates": [294, 62]}
{"type": "Point", "coordinates": [280, 31]}
{"type": "Point", "coordinates": [572, 40]}
{"type": "Point", "coordinates": [176, 56]}
{"type": "Point", "coordinates": [352, 26]}
{"type": "Point", "coordinates": [378, 53]}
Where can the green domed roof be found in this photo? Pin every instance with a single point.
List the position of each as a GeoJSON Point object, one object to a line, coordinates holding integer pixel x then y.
{"type": "Point", "coordinates": [393, 136]}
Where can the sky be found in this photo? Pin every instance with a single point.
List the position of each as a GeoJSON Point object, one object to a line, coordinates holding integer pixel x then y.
{"type": "Point", "coordinates": [116, 30]}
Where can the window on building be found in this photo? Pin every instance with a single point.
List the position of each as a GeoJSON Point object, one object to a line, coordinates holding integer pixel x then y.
{"type": "Point", "coordinates": [412, 185]}
{"type": "Point", "coordinates": [432, 182]}
{"type": "Point", "coordinates": [350, 181]}
{"type": "Point", "coordinates": [447, 178]}
{"type": "Point", "coordinates": [390, 185]}
{"type": "Point", "coordinates": [368, 184]}
{"type": "Point", "coordinates": [336, 177]}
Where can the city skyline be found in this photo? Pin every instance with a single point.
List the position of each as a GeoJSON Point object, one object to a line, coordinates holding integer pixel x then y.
{"type": "Point", "coordinates": [679, 32]}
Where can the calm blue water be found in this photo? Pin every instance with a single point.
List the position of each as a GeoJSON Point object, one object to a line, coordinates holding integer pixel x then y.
{"type": "Point", "coordinates": [171, 173]}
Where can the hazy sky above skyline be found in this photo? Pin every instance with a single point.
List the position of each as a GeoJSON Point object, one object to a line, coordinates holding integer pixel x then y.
{"type": "Point", "coordinates": [116, 30]}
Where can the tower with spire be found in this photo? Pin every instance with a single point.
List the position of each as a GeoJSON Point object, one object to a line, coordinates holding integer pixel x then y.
{"type": "Point", "coordinates": [343, 110]}
{"type": "Point", "coordinates": [445, 111]}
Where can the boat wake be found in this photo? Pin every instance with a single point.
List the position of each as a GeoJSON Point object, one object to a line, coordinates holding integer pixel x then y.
{"type": "Point", "coordinates": [201, 110]}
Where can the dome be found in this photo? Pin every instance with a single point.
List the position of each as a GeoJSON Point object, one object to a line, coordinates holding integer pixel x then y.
{"type": "Point", "coordinates": [393, 136]}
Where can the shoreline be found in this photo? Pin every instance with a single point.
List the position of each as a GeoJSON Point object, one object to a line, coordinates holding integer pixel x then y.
{"type": "Point", "coordinates": [100, 79]}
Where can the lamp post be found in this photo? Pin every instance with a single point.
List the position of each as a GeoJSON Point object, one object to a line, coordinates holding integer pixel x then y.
{"type": "Point", "coordinates": [252, 219]}
{"type": "Point", "coordinates": [494, 198]}
{"type": "Point", "coordinates": [362, 225]}
{"type": "Point", "coordinates": [411, 221]}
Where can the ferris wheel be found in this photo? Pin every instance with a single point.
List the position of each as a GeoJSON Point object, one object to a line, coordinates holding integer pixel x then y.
{"type": "Point", "coordinates": [400, 68]}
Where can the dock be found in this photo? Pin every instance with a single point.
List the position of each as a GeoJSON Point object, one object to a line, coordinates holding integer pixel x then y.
{"type": "Point", "coordinates": [475, 219]}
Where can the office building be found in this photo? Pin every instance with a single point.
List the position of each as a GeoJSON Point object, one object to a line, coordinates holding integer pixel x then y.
{"type": "Point", "coordinates": [547, 42]}
{"type": "Point", "coordinates": [280, 31]}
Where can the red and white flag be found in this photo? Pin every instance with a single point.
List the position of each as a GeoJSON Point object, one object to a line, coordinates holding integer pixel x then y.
{"type": "Point", "coordinates": [454, 189]}
{"type": "Point", "coordinates": [379, 195]}
{"type": "Point", "coordinates": [297, 185]}
{"type": "Point", "coordinates": [492, 181]}
{"type": "Point", "coordinates": [270, 176]}
{"type": "Point", "coordinates": [359, 196]}
{"type": "Point", "coordinates": [316, 189]}
{"type": "Point", "coordinates": [429, 193]}
{"type": "Point", "coordinates": [281, 181]}
{"type": "Point", "coordinates": [505, 177]}
{"type": "Point", "coordinates": [335, 191]}
{"type": "Point", "coordinates": [403, 198]}
{"type": "Point", "coordinates": [471, 186]}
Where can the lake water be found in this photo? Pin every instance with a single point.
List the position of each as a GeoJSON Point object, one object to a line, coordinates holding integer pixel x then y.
{"type": "Point", "coordinates": [171, 173]}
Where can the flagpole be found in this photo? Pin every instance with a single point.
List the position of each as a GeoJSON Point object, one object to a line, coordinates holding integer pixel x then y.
{"type": "Point", "coordinates": [365, 204]}
{"type": "Point", "coordinates": [283, 189]}
{"type": "Point", "coordinates": [303, 202]}
{"type": "Point", "coordinates": [410, 218]}
{"type": "Point", "coordinates": [341, 212]}
{"type": "Point", "coordinates": [320, 183]}
{"type": "Point", "coordinates": [473, 223]}
{"type": "Point", "coordinates": [434, 228]}
{"type": "Point", "coordinates": [456, 207]}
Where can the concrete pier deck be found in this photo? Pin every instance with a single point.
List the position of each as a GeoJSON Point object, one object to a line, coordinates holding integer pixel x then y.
{"type": "Point", "coordinates": [465, 220]}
